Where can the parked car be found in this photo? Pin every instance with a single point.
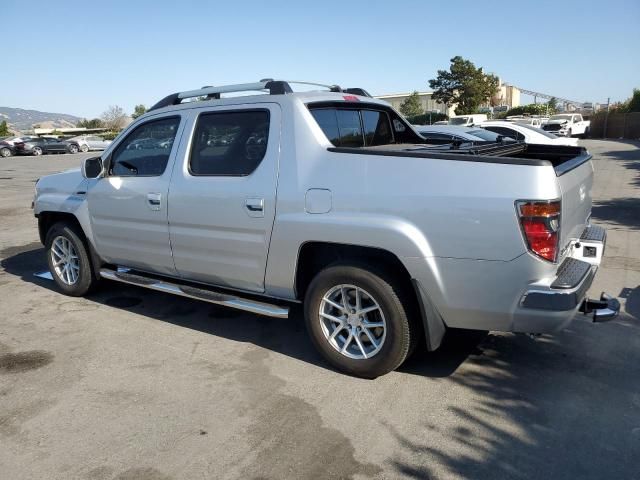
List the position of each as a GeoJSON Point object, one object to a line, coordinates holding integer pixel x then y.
{"type": "Point", "coordinates": [470, 120]}
{"type": "Point", "coordinates": [38, 146]}
{"type": "Point", "coordinates": [16, 139]}
{"type": "Point", "coordinates": [341, 207]}
{"type": "Point", "coordinates": [533, 121]}
{"type": "Point", "coordinates": [568, 125]}
{"type": "Point", "coordinates": [526, 133]}
{"type": "Point", "coordinates": [438, 134]}
{"type": "Point", "coordinates": [90, 142]}
{"type": "Point", "coordinates": [6, 149]}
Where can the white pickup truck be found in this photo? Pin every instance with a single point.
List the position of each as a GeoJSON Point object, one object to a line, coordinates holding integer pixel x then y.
{"type": "Point", "coordinates": [568, 125]}
{"type": "Point", "coordinates": [330, 199]}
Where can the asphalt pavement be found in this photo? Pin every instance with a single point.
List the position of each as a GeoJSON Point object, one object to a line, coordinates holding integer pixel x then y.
{"type": "Point", "coordinates": [133, 384]}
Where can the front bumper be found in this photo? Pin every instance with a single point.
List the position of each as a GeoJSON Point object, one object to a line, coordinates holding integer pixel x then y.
{"type": "Point", "coordinates": [566, 292]}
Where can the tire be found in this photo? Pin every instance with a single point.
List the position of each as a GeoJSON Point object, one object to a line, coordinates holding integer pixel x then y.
{"type": "Point", "coordinates": [73, 148]}
{"type": "Point", "coordinates": [393, 341]}
{"type": "Point", "coordinates": [80, 277]}
{"type": "Point", "coordinates": [5, 152]}
{"type": "Point", "coordinates": [37, 151]}
{"type": "Point", "coordinates": [586, 133]}
{"type": "Point", "coordinates": [569, 134]}
{"type": "Point", "coordinates": [84, 148]}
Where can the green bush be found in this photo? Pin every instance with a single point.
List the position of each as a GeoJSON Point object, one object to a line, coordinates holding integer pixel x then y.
{"type": "Point", "coordinates": [531, 109]}
{"type": "Point", "coordinates": [424, 118]}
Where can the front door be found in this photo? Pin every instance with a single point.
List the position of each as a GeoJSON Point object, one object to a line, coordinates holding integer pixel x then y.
{"type": "Point", "coordinates": [128, 207]}
{"type": "Point", "coordinates": [223, 195]}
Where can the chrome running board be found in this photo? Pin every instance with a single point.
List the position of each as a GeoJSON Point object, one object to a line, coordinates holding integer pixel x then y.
{"type": "Point", "coordinates": [198, 293]}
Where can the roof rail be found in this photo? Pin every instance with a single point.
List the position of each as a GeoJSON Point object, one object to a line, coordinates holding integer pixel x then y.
{"type": "Point", "coordinates": [273, 87]}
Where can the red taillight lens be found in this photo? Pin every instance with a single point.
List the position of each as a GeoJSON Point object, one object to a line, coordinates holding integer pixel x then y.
{"type": "Point", "coordinates": [541, 224]}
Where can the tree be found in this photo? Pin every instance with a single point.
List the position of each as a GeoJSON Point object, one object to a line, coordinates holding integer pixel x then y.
{"type": "Point", "coordinates": [464, 85]}
{"type": "Point", "coordinates": [552, 104]}
{"type": "Point", "coordinates": [633, 104]}
{"type": "Point", "coordinates": [138, 111]}
{"type": "Point", "coordinates": [411, 107]}
{"type": "Point", "coordinates": [114, 118]}
{"type": "Point", "coordinates": [4, 129]}
{"type": "Point", "coordinates": [94, 123]}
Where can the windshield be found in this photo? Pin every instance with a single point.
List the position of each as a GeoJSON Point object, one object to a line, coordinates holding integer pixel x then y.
{"type": "Point", "coordinates": [561, 117]}
{"type": "Point", "coordinates": [458, 121]}
{"type": "Point", "coordinates": [538, 130]}
{"type": "Point", "coordinates": [483, 134]}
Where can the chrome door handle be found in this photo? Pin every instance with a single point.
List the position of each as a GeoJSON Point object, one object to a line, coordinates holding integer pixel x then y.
{"type": "Point", "coordinates": [154, 200]}
{"type": "Point", "coordinates": [254, 206]}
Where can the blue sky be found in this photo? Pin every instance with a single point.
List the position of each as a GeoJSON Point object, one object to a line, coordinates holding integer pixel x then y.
{"type": "Point", "coordinates": [72, 57]}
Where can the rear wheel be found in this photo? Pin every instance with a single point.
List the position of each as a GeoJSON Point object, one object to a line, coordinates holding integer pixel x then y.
{"type": "Point", "coordinates": [5, 152]}
{"type": "Point", "coordinates": [37, 151]}
{"type": "Point", "coordinates": [357, 318]}
{"type": "Point", "coordinates": [68, 259]}
{"type": "Point", "coordinates": [73, 148]}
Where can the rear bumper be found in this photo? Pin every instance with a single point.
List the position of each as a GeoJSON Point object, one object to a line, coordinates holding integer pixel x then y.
{"type": "Point", "coordinates": [565, 295]}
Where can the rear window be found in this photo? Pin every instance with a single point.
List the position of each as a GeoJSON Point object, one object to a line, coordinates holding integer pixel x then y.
{"type": "Point", "coordinates": [354, 127]}
{"type": "Point", "coordinates": [485, 135]}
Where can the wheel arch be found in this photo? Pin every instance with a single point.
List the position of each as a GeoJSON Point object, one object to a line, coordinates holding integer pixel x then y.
{"type": "Point", "coordinates": [47, 219]}
{"type": "Point", "coordinates": [313, 256]}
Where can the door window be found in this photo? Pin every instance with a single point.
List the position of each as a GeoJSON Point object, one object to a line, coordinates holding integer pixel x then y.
{"type": "Point", "coordinates": [507, 132]}
{"type": "Point", "coordinates": [229, 143]}
{"type": "Point", "coordinates": [145, 151]}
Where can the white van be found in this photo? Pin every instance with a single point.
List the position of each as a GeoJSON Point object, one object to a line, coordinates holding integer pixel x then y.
{"type": "Point", "coordinates": [468, 120]}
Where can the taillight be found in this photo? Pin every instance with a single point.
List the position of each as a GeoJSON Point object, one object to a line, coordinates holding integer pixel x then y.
{"type": "Point", "coordinates": [540, 223]}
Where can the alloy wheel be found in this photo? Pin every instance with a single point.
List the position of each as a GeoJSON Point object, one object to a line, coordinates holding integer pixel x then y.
{"type": "Point", "coordinates": [65, 261]}
{"type": "Point", "coordinates": [352, 321]}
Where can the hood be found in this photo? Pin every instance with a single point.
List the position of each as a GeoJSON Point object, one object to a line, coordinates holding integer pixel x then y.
{"type": "Point", "coordinates": [557, 122]}
{"type": "Point", "coordinates": [69, 182]}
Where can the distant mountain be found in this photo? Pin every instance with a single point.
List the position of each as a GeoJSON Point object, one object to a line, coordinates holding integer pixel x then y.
{"type": "Point", "coordinates": [22, 120]}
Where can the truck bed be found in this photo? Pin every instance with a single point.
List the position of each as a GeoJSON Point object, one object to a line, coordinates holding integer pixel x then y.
{"type": "Point", "coordinates": [562, 158]}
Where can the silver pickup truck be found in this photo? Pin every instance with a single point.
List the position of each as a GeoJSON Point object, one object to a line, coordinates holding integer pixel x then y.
{"type": "Point", "coordinates": [331, 199]}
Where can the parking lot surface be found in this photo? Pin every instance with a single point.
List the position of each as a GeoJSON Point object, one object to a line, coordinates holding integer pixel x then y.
{"type": "Point", "coordinates": [133, 384]}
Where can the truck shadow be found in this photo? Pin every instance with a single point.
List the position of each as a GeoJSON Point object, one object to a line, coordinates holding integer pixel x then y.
{"type": "Point", "coordinates": [286, 336]}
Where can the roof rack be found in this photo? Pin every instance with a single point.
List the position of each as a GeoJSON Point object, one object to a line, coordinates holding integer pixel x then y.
{"type": "Point", "coordinates": [273, 87]}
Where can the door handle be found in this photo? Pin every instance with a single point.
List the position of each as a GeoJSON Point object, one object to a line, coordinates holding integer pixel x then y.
{"type": "Point", "coordinates": [154, 200]}
{"type": "Point", "coordinates": [254, 206]}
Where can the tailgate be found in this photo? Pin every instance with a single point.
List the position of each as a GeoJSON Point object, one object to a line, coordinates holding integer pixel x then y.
{"type": "Point", "coordinates": [575, 185]}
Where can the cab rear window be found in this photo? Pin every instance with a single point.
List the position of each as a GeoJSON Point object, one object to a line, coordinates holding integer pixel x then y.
{"type": "Point", "coordinates": [354, 127]}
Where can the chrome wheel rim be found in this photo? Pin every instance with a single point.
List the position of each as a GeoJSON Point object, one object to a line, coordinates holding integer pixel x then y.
{"type": "Point", "coordinates": [64, 259]}
{"type": "Point", "coordinates": [5, 152]}
{"type": "Point", "coordinates": [352, 321]}
{"type": "Point", "coordinates": [37, 151]}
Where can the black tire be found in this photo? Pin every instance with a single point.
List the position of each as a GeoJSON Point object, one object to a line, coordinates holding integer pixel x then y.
{"type": "Point", "coordinates": [395, 303]}
{"type": "Point", "coordinates": [5, 152]}
{"type": "Point", "coordinates": [73, 148]}
{"type": "Point", "coordinates": [86, 279]}
{"type": "Point", "coordinates": [586, 133]}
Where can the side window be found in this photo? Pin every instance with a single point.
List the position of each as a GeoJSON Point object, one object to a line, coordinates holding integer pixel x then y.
{"type": "Point", "coordinates": [507, 132]}
{"type": "Point", "coordinates": [145, 151]}
{"type": "Point", "coordinates": [328, 122]}
{"type": "Point", "coordinates": [377, 128]}
{"type": "Point", "coordinates": [229, 143]}
{"type": "Point", "coordinates": [350, 128]}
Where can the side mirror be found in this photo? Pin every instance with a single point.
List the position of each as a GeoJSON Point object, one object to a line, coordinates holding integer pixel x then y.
{"type": "Point", "coordinates": [92, 167]}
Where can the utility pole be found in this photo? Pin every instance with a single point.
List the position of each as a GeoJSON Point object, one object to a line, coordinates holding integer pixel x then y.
{"type": "Point", "coordinates": [606, 119]}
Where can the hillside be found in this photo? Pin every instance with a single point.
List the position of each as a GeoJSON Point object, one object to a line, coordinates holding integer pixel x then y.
{"type": "Point", "coordinates": [22, 120]}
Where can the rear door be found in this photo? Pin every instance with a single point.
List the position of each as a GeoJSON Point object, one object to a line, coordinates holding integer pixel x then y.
{"type": "Point", "coordinates": [128, 207]}
{"type": "Point", "coordinates": [222, 198]}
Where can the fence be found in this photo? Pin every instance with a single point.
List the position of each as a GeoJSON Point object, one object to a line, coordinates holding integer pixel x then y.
{"type": "Point", "coordinates": [618, 125]}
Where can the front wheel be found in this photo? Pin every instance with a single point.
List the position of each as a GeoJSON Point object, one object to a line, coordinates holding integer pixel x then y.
{"type": "Point", "coordinates": [358, 319]}
{"type": "Point", "coordinates": [84, 148]}
{"type": "Point", "coordinates": [73, 149]}
{"type": "Point", "coordinates": [37, 151]}
{"type": "Point", "coordinates": [5, 152]}
{"type": "Point", "coordinates": [68, 259]}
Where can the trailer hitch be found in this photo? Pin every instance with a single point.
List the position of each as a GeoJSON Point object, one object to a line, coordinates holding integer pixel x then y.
{"type": "Point", "coordinates": [603, 310]}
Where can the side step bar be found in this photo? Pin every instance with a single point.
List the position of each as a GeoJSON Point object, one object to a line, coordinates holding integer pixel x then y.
{"type": "Point", "coordinates": [197, 293]}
